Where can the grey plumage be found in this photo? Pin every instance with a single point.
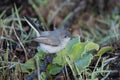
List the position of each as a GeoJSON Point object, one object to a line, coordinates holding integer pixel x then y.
{"type": "Point", "coordinates": [51, 41]}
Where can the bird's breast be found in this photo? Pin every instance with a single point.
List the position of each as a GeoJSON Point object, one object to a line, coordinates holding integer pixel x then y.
{"type": "Point", "coordinates": [54, 49]}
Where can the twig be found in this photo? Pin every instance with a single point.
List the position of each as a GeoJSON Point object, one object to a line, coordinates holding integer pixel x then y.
{"type": "Point", "coordinates": [38, 68]}
{"type": "Point", "coordinates": [20, 44]}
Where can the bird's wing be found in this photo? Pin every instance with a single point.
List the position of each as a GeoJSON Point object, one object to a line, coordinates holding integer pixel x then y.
{"type": "Point", "coordinates": [47, 41]}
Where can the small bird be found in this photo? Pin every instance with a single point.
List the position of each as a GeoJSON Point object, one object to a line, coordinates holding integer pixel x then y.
{"type": "Point", "coordinates": [51, 41]}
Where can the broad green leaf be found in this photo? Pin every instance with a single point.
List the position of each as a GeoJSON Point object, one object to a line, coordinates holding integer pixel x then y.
{"type": "Point", "coordinates": [104, 50]}
{"type": "Point", "coordinates": [30, 64]}
{"type": "Point", "coordinates": [91, 46]}
{"type": "Point", "coordinates": [82, 48]}
{"type": "Point", "coordinates": [84, 61]}
{"type": "Point", "coordinates": [26, 68]}
{"type": "Point", "coordinates": [71, 43]}
{"type": "Point", "coordinates": [74, 40]}
{"type": "Point", "coordinates": [59, 58]}
{"type": "Point", "coordinates": [54, 69]}
{"type": "Point", "coordinates": [77, 50]}
{"type": "Point", "coordinates": [40, 54]}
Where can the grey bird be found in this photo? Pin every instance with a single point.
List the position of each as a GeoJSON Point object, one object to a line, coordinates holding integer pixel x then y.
{"type": "Point", "coordinates": [51, 41]}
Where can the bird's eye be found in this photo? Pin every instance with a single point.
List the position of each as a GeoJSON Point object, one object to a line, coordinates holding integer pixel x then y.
{"type": "Point", "coordinates": [65, 36]}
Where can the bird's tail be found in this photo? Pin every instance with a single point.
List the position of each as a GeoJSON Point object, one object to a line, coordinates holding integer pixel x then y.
{"type": "Point", "coordinates": [32, 25]}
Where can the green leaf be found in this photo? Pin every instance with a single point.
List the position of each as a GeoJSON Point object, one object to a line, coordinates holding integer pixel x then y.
{"type": "Point", "coordinates": [81, 49]}
{"type": "Point", "coordinates": [77, 52]}
{"type": "Point", "coordinates": [59, 59]}
{"type": "Point", "coordinates": [84, 61]}
{"type": "Point", "coordinates": [26, 67]}
{"type": "Point", "coordinates": [40, 54]}
{"type": "Point", "coordinates": [30, 64]}
{"type": "Point", "coordinates": [71, 43]}
{"type": "Point", "coordinates": [91, 46]}
{"type": "Point", "coordinates": [104, 50]}
{"type": "Point", "coordinates": [53, 69]}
